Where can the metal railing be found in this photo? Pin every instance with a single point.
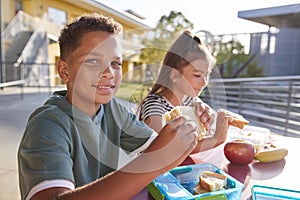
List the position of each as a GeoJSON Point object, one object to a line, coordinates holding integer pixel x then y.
{"type": "Point", "coordinates": [33, 75]}
{"type": "Point", "coordinates": [271, 102]}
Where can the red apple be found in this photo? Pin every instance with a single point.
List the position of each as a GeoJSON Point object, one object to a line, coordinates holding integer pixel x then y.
{"type": "Point", "coordinates": [239, 152]}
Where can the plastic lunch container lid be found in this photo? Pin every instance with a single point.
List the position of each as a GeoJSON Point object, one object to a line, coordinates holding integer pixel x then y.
{"type": "Point", "coordinates": [260, 192]}
{"type": "Point", "coordinates": [170, 187]}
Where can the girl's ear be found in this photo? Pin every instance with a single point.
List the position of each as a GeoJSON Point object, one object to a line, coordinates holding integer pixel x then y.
{"type": "Point", "coordinates": [174, 75]}
{"type": "Point", "coordinates": [62, 68]}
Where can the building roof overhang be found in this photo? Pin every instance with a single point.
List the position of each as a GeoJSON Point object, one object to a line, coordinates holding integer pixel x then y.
{"type": "Point", "coordinates": [287, 16]}
{"type": "Point", "coordinates": [123, 17]}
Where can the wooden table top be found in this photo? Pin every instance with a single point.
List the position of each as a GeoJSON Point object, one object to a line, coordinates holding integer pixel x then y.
{"type": "Point", "coordinates": [281, 174]}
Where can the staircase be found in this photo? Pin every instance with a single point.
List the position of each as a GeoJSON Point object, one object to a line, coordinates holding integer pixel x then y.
{"type": "Point", "coordinates": [25, 50]}
{"type": "Point", "coordinates": [12, 54]}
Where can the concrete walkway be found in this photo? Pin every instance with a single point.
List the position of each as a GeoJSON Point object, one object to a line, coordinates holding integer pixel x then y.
{"type": "Point", "coordinates": [14, 111]}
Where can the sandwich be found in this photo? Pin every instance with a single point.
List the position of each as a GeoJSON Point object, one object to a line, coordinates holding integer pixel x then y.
{"type": "Point", "coordinates": [210, 182]}
{"type": "Point", "coordinates": [189, 111]}
{"type": "Point", "coordinates": [237, 120]}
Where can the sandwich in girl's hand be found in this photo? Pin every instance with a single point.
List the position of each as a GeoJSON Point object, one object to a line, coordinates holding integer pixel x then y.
{"type": "Point", "coordinates": [236, 119]}
{"type": "Point", "coordinates": [189, 111]}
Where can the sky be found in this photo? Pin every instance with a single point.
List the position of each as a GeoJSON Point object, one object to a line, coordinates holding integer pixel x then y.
{"type": "Point", "coordinates": [215, 16]}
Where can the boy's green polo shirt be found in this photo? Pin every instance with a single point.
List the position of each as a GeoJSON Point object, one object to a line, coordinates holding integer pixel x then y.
{"type": "Point", "coordinates": [62, 143]}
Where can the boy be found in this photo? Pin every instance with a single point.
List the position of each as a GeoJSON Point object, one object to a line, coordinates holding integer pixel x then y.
{"type": "Point", "coordinates": [71, 144]}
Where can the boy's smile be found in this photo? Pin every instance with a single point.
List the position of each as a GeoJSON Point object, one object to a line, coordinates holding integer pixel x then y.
{"type": "Point", "coordinates": [104, 89]}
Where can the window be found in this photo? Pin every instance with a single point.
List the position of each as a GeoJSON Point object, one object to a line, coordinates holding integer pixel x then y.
{"type": "Point", "coordinates": [264, 44]}
{"type": "Point", "coordinates": [57, 16]}
{"type": "Point", "coordinates": [272, 44]}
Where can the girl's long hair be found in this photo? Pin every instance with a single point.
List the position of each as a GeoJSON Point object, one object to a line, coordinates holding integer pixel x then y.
{"type": "Point", "coordinates": [184, 50]}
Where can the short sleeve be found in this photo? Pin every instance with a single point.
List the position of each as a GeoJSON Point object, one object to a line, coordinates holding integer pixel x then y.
{"type": "Point", "coordinates": [154, 105]}
{"type": "Point", "coordinates": [136, 135]}
{"type": "Point", "coordinates": [44, 152]}
{"type": "Point", "coordinates": [133, 133]}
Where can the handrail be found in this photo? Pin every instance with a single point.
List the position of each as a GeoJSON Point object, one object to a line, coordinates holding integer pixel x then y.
{"type": "Point", "coordinates": [30, 44]}
{"type": "Point", "coordinates": [271, 102]}
{"type": "Point", "coordinates": [31, 81]}
{"type": "Point", "coordinates": [20, 22]}
{"type": "Point", "coordinates": [252, 79]}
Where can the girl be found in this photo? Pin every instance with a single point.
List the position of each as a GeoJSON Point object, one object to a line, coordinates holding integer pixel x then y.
{"type": "Point", "coordinates": [184, 73]}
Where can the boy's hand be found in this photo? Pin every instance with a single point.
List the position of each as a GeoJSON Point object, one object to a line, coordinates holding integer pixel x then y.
{"type": "Point", "coordinates": [174, 143]}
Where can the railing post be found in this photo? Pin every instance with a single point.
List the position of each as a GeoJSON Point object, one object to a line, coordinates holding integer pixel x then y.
{"type": "Point", "coordinates": [290, 90]}
{"type": "Point", "coordinates": [22, 78]}
{"type": "Point", "coordinates": [49, 79]}
{"type": "Point", "coordinates": [22, 91]}
{"type": "Point", "coordinates": [240, 97]}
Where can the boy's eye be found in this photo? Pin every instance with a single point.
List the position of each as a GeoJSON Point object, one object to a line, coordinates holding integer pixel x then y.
{"type": "Point", "coordinates": [91, 61]}
{"type": "Point", "coordinates": [116, 64]}
{"type": "Point", "coordinates": [98, 63]}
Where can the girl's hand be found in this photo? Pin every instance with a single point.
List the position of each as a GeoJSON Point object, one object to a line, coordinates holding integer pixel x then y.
{"type": "Point", "coordinates": [225, 119]}
{"type": "Point", "coordinates": [205, 114]}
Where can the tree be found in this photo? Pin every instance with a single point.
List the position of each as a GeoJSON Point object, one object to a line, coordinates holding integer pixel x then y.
{"type": "Point", "coordinates": [232, 60]}
{"type": "Point", "coordinates": [158, 40]}
{"type": "Point", "coordinates": [230, 53]}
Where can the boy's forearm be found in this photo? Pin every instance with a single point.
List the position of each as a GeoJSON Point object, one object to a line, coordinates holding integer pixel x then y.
{"type": "Point", "coordinates": [121, 184]}
{"type": "Point", "coordinates": [118, 185]}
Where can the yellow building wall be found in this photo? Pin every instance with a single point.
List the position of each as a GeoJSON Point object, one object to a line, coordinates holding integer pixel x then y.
{"type": "Point", "coordinates": [53, 56]}
{"type": "Point", "coordinates": [9, 7]}
{"type": "Point", "coordinates": [37, 9]}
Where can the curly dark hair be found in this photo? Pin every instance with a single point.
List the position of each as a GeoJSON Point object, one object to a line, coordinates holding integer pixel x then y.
{"type": "Point", "coordinates": [71, 34]}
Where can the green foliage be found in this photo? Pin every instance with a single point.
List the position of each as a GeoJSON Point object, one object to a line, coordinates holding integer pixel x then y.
{"type": "Point", "coordinates": [253, 70]}
{"type": "Point", "coordinates": [230, 53]}
{"type": "Point", "coordinates": [233, 62]}
{"type": "Point", "coordinates": [133, 92]}
{"type": "Point", "coordinates": [160, 38]}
